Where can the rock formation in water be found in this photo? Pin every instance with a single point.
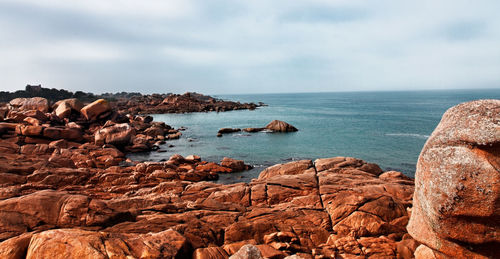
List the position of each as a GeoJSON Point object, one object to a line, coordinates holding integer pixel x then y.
{"type": "Point", "coordinates": [280, 126]}
{"type": "Point", "coordinates": [456, 205]}
{"type": "Point", "coordinates": [273, 126]}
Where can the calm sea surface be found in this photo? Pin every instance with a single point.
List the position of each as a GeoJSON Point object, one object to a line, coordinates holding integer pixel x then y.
{"type": "Point", "coordinates": [387, 128]}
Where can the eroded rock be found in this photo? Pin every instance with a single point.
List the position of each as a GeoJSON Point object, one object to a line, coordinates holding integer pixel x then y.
{"type": "Point", "coordinates": [457, 186]}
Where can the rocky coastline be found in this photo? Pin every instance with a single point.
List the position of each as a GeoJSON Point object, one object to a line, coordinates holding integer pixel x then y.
{"type": "Point", "coordinates": [68, 191]}
{"type": "Point", "coordinates": [136, 103]}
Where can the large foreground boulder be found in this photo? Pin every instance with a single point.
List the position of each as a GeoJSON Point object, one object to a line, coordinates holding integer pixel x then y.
{"type": "Point", "coordinates": [456, 204]}
{"type": "Point", "coordinates": [280, 126]}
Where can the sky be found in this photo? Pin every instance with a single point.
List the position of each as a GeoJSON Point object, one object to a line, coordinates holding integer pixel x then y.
{"type": "Point", "coordinates": [252, 46]}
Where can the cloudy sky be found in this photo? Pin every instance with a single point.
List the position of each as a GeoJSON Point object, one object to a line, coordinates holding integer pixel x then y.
{"type": "Point", "coordinates": [253, 46]}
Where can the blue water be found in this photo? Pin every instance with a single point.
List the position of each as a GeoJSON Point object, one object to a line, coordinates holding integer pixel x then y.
{"type": "Point", "coordinates": [387, 128]}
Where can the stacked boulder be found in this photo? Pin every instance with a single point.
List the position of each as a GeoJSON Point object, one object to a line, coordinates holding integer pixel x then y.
{"type": "Point", "coordinates": [34, 121]}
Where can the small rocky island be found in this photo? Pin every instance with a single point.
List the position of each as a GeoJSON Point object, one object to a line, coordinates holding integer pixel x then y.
{"type": "Point", "coordinates": [68, 191]}
{"type": "Point", "coordinates": [273, 126]}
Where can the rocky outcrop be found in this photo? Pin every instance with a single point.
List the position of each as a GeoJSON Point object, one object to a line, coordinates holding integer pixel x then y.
{"type": "Point", "coordinates": [67, 187]}
{"type": "Point", "coordinates": [76, 243]}
{"type": "Point", "coordinates": [62, 195]}
{"type": "Point", "coordinates": [175, 103]}
{"type": "Point", "coordinates": [339, 210]}
{"type": "Point", "coordinates": [280, 126]}
{"type": "Point", "coordinates": [456, 210]}
{"type": "Point", "coordinates": [135, 103]}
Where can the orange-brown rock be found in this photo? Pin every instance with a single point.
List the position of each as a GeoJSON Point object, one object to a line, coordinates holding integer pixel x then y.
{"type": "Point", "coordinates": [234, 164]}
{"type": "Point", "coordinates": [64, 108]}
{"type": "Point", "coordinates": [297, 167]}
{"type": "Point", "coordinates": [96, 109]}
{"type": "Point", "coordinates": [16, 247]}
{"type": "Point", "coordinates": [457, 187]}
{"type": "Point", "coordinates": [213, 167]}
{"type": "Point", "coordinates": [72, 134]}
{"type": "Point", "coordinates": [280, 126]}
{"type": "Point", "coordinates": [35, 103]}
{"type": "Point", "coordinates": [58, 196]}
{"type": "Point", "coordinates": [210, 253]}
{"type": "Point", "coordinates": [28, 130]}
{"type": "Point", "coordinates": [118, 135]}
{"type": "Point", "coordinates": [281, 214]}
{"type": "Point", "coordinates": [75, 243]}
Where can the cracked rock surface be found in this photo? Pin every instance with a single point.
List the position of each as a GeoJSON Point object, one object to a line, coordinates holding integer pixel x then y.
{"type": "Point", "coordinates": [135, 211]}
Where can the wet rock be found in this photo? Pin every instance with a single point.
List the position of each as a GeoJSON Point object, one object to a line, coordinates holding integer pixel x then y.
{"type": "Point", "coordinates": [457, 185]}
{"type": "Point", "coordinates": [253, 129]}
{"type": "Point", "coordinates": [228, 130]}
{"type": "Point", "coordinates": [280, 126]}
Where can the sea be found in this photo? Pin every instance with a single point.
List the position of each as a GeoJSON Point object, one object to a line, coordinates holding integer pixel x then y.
{"type": "Point", "coordinates": [388, 128]}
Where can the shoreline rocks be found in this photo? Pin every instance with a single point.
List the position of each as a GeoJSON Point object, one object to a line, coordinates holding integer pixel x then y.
{"type": "Point", "coordinates": [65, 182]}
{"type": "Point", "coordinates": [273, 126]}
{"type": "Point", "coordinates": [61, 197]}
{"type": "Point", "coordinates": [132, 103]}
{"type": "Point", "coordinates": [323, 208]}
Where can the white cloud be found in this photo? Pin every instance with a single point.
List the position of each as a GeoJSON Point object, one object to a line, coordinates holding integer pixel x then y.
{"type": "Point", "coordinates": [264, 46]}
{"type": "Point", "coordinates": [123, 8]}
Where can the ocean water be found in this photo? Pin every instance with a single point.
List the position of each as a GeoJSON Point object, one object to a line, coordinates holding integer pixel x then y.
{"type": "Point", "coordinates": [387, 128]}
